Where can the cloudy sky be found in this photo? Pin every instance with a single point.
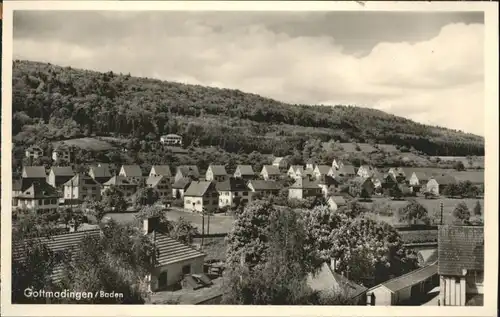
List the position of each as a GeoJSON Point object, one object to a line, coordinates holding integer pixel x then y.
{"type": "Point", "coordinates": [424, 66]}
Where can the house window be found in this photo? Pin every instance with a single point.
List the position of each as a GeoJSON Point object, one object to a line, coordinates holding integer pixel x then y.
{"type": "Point", "coordinates": [188, 201]}
{"type": "Point", "coordinates": [186, 269]}
{"type": "Point", "coordinates": [245, 193]}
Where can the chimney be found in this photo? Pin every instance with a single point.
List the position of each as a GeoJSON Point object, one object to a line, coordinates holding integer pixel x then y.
{"type": "Point", "coordinates": [151, 224]}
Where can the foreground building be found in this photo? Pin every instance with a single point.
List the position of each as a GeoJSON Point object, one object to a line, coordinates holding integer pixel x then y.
{"type": "Point", "coordinates": [461, 265]}
{"type": "Point", "coordinates": [233, 191]}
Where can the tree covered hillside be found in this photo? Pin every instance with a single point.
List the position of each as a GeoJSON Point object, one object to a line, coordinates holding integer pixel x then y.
{"type": "Point", "coordinates": [54, 103]}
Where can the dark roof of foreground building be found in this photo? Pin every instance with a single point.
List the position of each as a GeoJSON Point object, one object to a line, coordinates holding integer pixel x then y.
{"type": "Point", "coordinates": [259, 185]}
{"type": "Point", "coordinates": [198, 188]}
{"type": "Point", "coordinates": [170, 251]}
{"type": "Point", "coordinates": [182, 183]}
{"type": "Point", "coordinates": [232, 185]}
{"type": "Point", "coordinates": [34, 172]}
{"type": "Point", "coordinates": [460, 248]}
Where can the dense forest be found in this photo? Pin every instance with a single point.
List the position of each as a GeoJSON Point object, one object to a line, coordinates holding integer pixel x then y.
{"type": "Point", "coordinates": [54, 103]}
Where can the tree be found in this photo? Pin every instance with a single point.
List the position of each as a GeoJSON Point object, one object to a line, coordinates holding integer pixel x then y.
{"type": "Point", "coordinates": [183, 231]}
{"type": "Point", "coordinates": [395, 192]}
{"type": "Point", "coordinates": [33, 263]}
{"type": "Point", "coordinates": [97, 209]}
{"type": "Point", "coordinates": [114, 199]}
{"type": "Point", "coordinates": [146, 196]}
{"type": "Point", "coordinates": [117, 261]}
{"type": "Point", "coordinates": [412, 212]}
{"type": "Point", "coordinates": [364, 195]}
{"type": "Point", "coordinates": [477, 209]}
{"type": "Point", "coordinates": [461, 214]}
{"type": "Point", "coordinates": [459, 166]}
{"type": "Point", "coordinates": [279, 278]}
{"type": "Point", "coordinates": [248, 238]}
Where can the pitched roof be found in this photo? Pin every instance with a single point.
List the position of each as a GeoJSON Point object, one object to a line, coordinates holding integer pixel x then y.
{"type": "Point", "coordinates": [154, 180]}
{"type": "Point", "coordinates": [296, 168]}
{"type": "Point", "coordinates": [21, 184]}
{"type": "Point", "coordinates": [119, 181]}
{"type": "Point", "coordinates": [427, 257]}
{"type": "Point", "coordinates": [460, 247]}
{"type": "Point", "coordinates": [39, 189]}
{"type": "Point", "coordinates": [339, 200]}
{"type": "Point", "coordinates": [78, 179]}
{"type": "Point", "coordinates": [328, 280]}
{"type": "Point", "coordinates": [62, 171]}
{"type": "Point", "coordinates": [171, 136]}
{"type": "Point", "coordinates": [161, 170]}
{"type": "Point", "coordinates": [323, 169]}
{"type": "Point", "coordinates": [305, 183]}
{"type": "Point", "coordinates": [445, 180]}
{"type": "Point", "coordinates": [182, 183]}
{"type": "Point", "coordinates": [327, 180]}
{"type": "Point", "coordinates": [132, 170]}
{"type": "Point", "coordinates": [245, 169]}
{"type": "Point", "coordinates": [198, 188]}
{"type": "Point", "coordinates": [347, 169]}
{"type": "Point", "coordinates": [411, 278]}
{"type": "Point", "coordinates": [277, 160]}
{"type": "Point", "coordinates": [188, 170]}
{"type": "Point", "coordinates": [57, 243]}
{"type": "Point", "coordinates": [170, 251]}
{"type": "Point", "coordinates": [259, 185]}
{"type": "Point", "coordinates": [232, 184]}
{"type": "Point", "coordinates": [34, 172]}
{"type": "Point", "coordinates": [271, 170]}
{"type": "Point", "coordinates": [100, 171]}
{"type": "Point", "coordinates": [218, 170]}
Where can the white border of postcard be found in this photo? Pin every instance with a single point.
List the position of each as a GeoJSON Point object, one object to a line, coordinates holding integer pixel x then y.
{"type": "Point", "coordinates": [490, 10]}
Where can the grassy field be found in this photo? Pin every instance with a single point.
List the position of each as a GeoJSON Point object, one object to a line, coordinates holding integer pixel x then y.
{"type": "Point", "coordinates": [432, 205]}
{"type": "Point", "coordinates": [88, 144]}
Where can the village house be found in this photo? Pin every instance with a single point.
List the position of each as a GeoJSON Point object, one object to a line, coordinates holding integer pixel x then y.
{"type": "Point", "coordinates": [327, 184]}
{"type": "Point", "coordinates": [335, 202]}
{"type": "Point", "coordinates": [270, 172]}
{"type": "Point", "coordinates": [327, 281]}
{"type": "Point", "coordinates": [310, 164]}
{"type": "Point", "coordinates": [365, 171]}
{"type": "Point", "coordinates": [361, 183]}
{"type": "Point", "coordinates": [180, 187]}
{"type": "Point", "coordinates": [38, 196]}
{"type": "Point", "coordinates": [304, 188]}
{"type": "Point", "coordinates": [337, 164]}
{"type": "Point", "coordinates": [61, 154]}
{"type": "Point", "coordinates": [100, 174]}
{"type": "Point", "coordinates": [245, 172]}
{"type": "Point", "coordinates": [187, 171]}
{"type": "Point", "coordinates": [461, 265]}
{"type": "Point", "coordinates": [264, 188]}
{"type": "Point", "coordinates": [437, 184]}
{"type": "Point", "coordinates": [79, 188]}
{"type": "Point", "coordinates": [399, 173]}
{"type": "Point", "coordinates": [389, 181]}
{"type": "Point", "coordinates": [201, 196]}
{"type": "Point", "coordinates": [216, 173]}
{"type": "Point", "coordinates": [233, 192]}
{"type": "Point", "coordinates": [59, 175]}
{"type": "Point", "coordinates": [417, 180]}
{"type": "Point", "coordinates": [121, 183]}
{"type": "Point", "coordinates": [346, 171]}
{"type": "Point", "coordinates": [161, 184]}
{"type": "Point", "coordinates": [408, 289]}
{"type": "Point", "coordinates": [160, 170]}
{"type": "Point", "coordinates": [171, 140]}
{"type": "Point", "coordinates": [174, 261]}
{"type": "Point", "coordinates": [281, 163]}
{"type": "Point", "coordinates": [322, 170]}
{"type": "Point", "coordinates": [132, 172]}
{"type": "Point", "coordinates": [34, 152]}
{"type": "Point", "coordinates": [295, 171]}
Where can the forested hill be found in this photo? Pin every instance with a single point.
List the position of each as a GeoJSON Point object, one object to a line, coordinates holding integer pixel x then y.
{"type": "Point", "coordinates": [54, 103]}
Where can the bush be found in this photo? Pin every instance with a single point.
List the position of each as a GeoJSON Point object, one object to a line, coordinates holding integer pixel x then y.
{"type": "Point", "coordinates": [178, 202]}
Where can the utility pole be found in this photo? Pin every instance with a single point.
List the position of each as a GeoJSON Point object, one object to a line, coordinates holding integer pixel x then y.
{"type": "Point", "coordinates": [441, 205]}
{"type": "Point", "coordinates": [208, 223]}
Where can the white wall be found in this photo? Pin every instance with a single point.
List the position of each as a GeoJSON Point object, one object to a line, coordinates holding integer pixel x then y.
{"type": "Point", "coordinates": [174, 271]}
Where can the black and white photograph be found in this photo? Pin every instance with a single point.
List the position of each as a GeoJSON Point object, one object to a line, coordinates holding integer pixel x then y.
{"type": "Point", "coordinates": [287, 157]}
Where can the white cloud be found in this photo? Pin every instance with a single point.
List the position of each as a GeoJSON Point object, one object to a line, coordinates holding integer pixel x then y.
{"type": "Point", "coordinates": [439, 81]}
